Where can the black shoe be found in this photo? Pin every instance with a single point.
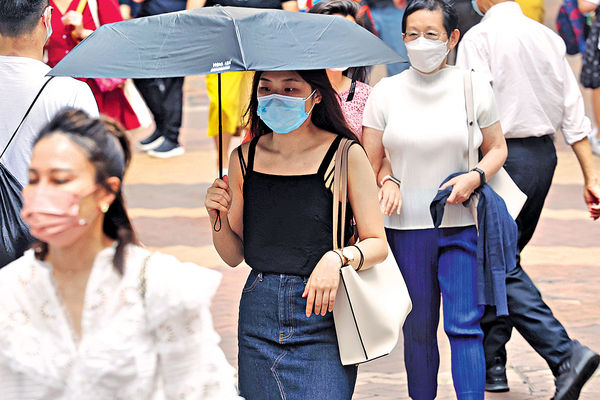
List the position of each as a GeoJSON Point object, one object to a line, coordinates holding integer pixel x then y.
{"type": "Point", "coordinates": [495, 377]}
{"type": "Point", "coordinates": [575, 371]}
{"type": "Point", "coordinates": [152, 141]}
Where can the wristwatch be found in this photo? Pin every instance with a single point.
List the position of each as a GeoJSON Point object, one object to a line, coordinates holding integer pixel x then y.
{"type": "Point", "coordinates": [348, 255]}
{"type": "Point", "coordinates": [481, 176]}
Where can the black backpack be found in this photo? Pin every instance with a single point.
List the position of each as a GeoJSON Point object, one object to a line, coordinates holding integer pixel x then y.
{"type": "Point", "coordinates": [15, 237]}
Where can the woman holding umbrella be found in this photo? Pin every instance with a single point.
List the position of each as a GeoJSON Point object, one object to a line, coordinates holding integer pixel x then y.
{"type": "Point", "coordinates": [276, 209]}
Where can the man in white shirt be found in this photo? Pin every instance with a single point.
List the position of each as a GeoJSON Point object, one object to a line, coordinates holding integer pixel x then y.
{"type": "Point", "coordinates": [537, 94]}
{"type": "Point", "coordinates": [24, 29]}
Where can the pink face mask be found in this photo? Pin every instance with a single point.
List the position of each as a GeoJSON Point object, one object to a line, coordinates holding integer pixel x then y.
{"type": "Point", "coordinates": [53, 215]}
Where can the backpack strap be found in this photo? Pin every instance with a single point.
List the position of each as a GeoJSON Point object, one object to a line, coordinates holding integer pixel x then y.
{"type": "Point", "coordinates": [37, 96]}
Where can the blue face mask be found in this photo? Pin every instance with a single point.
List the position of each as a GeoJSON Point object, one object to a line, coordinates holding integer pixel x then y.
{"type": "Point", "coordinates": [283, 114]}
{"type": "Point", "coordinates": [477, 10]}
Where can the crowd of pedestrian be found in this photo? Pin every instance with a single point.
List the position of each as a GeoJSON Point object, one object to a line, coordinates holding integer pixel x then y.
{"type": "Point", "coordinates": [88, 313]}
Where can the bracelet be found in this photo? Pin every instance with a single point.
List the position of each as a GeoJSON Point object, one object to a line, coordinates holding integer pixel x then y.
{"type": "Point", "coordinates": [362, 258]}
{"type": "Point", "coordinates": [390, 178]}
{"type": "Point", "coordinates": [340, 256]}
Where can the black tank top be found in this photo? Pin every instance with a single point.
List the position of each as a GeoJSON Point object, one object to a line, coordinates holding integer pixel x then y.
{"type": "Point", "coordinates": [288, 219]}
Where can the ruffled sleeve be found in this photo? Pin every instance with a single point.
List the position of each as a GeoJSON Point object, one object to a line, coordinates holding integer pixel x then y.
{"type": "Point", "coordinates": [192, 364]}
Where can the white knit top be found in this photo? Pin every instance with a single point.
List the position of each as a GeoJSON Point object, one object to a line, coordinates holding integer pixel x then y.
{"type": "Point", "coordinates": [423, 119]}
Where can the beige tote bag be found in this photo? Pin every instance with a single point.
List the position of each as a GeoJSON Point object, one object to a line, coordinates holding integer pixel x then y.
{"type": "Point", "coordinates": [371, 305]}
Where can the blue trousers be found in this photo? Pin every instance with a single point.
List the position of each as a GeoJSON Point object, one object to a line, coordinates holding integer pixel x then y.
{"type": "Point", "coordinates": [435, 261]}
{"type": "Point", "coordinates": [282, 354]}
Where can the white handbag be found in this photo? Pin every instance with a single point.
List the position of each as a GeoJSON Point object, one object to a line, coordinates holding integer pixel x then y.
{"type": "Point", "coordinates": [371, 305]}
{"type": "Point", "coordinates": [501, 182]}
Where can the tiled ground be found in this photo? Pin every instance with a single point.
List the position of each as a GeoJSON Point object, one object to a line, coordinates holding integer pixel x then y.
{"type": "Point", "coordinates": [166, 199]}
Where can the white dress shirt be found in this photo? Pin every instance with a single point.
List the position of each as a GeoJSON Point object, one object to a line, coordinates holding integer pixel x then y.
{"type": "Point", "coordinates": [20, 81]}
{"type": "Point", "coordinates": [166, 348]}
{"type": "Point", "coordinates": [535, 88]}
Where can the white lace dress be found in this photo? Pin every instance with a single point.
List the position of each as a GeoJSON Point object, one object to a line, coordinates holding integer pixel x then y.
{"type": "Point", "coordinates": [167, 349]}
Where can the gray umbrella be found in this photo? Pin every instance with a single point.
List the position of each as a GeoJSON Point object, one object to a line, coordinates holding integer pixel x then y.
{"type": "Point", "coordinates": [221, 39]}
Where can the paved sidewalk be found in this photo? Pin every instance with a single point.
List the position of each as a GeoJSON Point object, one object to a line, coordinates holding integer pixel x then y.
{"type": "Point", "coordinates": [166, 200]}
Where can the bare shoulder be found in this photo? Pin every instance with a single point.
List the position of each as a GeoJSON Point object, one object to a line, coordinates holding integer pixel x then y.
{"type": "Point", "coordinates": [356, 153]}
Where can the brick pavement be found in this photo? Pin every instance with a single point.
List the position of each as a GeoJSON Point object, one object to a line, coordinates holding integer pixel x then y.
{"type": "Point", "coordinates": [166, 201]}
{"type": "Point", "coordinates": [165, 198]}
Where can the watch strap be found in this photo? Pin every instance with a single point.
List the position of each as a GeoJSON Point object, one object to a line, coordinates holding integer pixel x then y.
{"type": "Point", "coordinates": [481, 176]}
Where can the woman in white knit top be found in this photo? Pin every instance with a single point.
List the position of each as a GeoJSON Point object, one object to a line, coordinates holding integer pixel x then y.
{"type": "Point", "coordinates": [419, 118]}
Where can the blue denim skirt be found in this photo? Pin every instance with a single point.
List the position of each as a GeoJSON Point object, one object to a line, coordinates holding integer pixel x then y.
{"type": "Point", "coordinates": [283, 354]}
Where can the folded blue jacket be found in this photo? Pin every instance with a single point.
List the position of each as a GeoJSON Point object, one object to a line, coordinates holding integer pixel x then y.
{"type": "Point", "coordinates": [496, 243]}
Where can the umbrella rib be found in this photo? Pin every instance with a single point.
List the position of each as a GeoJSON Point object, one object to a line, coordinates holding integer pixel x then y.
{"type": "Point", "coordinates": [320, 34]}
{"type": "Point", "coordinates": [159, 62]}
{"type": "Point", "coordinates": [124, 36]}
{"type": "Point", "coordinates": [239, 39]}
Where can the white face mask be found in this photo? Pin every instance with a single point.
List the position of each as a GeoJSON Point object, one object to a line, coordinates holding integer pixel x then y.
{"type": "Point", "coordinates": [425, 54]}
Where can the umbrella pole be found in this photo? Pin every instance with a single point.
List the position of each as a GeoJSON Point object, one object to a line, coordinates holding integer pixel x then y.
{"type": "Point", "coordinates": [217, 226]}
{"type": "Point", "coordinates": [220, 129]}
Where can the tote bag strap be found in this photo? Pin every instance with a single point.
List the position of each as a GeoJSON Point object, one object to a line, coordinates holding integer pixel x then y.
{"type": "Point", "coordinates": [340, 192]}
{"type": "Point", "coordinates": [472, 154]}
{"type": "Point", "coordinates": [37, 96]}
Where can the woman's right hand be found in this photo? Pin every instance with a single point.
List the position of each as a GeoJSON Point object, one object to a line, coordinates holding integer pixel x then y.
{"type": "Point", "coordinates": [390, 199]}
{"type": "Point", "coordinates": [218, 198]}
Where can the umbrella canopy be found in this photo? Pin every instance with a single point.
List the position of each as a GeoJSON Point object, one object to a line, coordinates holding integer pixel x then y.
{"type": "Point", "coordinates": [222, 39]}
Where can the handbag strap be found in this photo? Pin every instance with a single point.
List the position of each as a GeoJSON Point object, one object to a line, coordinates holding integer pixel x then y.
{"type": "Point", "coordinates": [340, 192]}
{"type": "Point", "coordinates": [471, 157]}
{"type": "Point", "coordinates": [37, 96]}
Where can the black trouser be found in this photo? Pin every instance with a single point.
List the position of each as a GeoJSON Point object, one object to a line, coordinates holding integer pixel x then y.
{"type": "Point", "coordinates": [531, 163]}
{"type": "Point", "coordinates": [164, 97]}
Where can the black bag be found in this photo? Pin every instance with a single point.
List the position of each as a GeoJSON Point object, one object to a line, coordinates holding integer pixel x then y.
{"type": "Point", "coordinates": [15, 233]}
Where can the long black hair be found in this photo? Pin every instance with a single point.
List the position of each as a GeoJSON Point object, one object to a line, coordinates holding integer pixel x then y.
{"type": "Point", "coordinates": [104, 143]}
{"type": "Point", "coordinates": [345, 8]}
{"type": "Point", "coordinates": [326, 115]}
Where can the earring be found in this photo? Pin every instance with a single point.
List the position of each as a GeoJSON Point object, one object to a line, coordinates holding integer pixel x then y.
{"type": "Point", "coordinates": [104, 208]}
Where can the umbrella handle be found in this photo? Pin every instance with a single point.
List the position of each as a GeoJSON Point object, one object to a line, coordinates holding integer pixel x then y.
{"type": "Point", "coordinates": [217, 226]}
